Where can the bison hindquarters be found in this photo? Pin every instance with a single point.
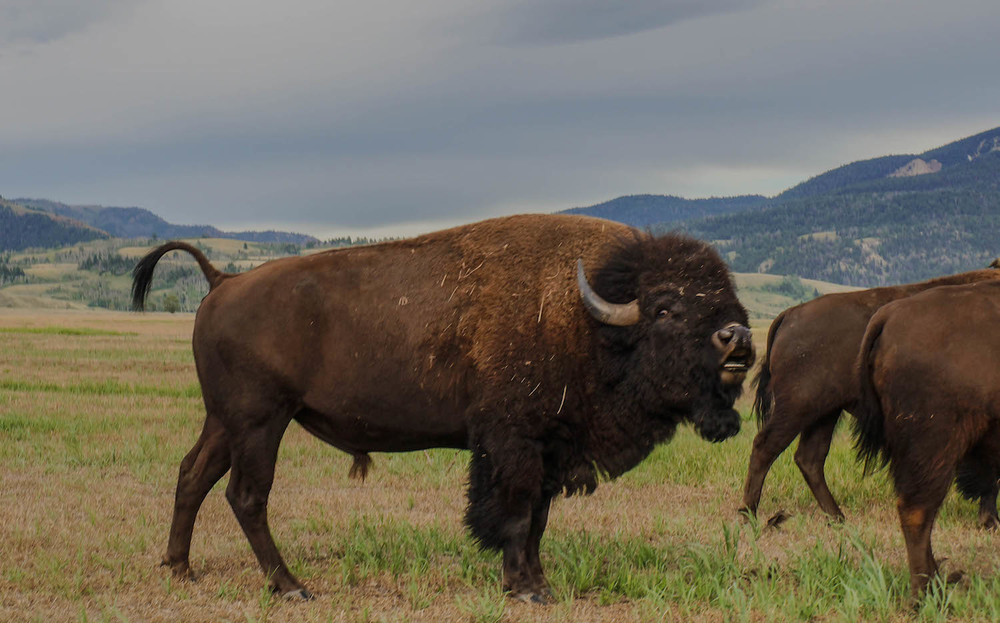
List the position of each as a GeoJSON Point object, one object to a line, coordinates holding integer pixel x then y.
{"type": "Point", "coordinates": [928, 373]}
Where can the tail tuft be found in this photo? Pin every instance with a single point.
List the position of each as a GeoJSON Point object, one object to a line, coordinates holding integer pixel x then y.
{"type": "Point", "coordinates": [763, 402]}
{"type": "Point", "coordinates": [869, 421]}
{"type": "Point", "coordinates": [142, 274]}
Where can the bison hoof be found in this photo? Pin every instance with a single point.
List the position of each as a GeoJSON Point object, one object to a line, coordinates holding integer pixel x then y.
{"type": "Point", "coordinates": [540, 599]}
{"type": "Point", "coordinates": [180, 570]}
{"type": "Point", "coordinates": [990, 523]}
{"type": "Point", "coordinates": [300, 594]}
{"type": "Point", "coordinates": [774, 521]}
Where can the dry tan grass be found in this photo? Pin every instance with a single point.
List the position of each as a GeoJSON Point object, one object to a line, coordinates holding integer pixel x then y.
{"type": "Point", "coordinates": [88, 483]}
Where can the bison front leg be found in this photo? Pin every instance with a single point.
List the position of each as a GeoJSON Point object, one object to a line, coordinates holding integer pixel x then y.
{"type": "Point", "coordinates": [523, 577]}
{"type": "Point", "coordinates": [988, 518]}
{"type": "Point", "coordinates": [539, 519]}
{"type": "Point", "coordinates": [810, 457]}
{"type": "Point", "coordinates": [508, 512]}
{"type": "Point", "coordinates": [772, 439]}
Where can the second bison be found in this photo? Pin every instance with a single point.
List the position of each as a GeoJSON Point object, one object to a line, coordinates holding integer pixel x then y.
{"type": "Point", "coordinates": [929, 380]}
{"type": "Point", "coordinates": [807, 378]}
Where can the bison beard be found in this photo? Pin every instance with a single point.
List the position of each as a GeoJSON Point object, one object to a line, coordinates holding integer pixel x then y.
{"type": "Point", "coordinates": [481, 334]}
{"type": "Point", "coordinates": [928, 373]}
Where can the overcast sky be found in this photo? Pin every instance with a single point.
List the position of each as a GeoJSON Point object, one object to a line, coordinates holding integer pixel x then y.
{"type": "Point", "coordinates": [383, 117]}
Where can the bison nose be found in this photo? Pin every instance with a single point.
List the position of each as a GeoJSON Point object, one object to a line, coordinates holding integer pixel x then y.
{"type": "Point", "coordinates": [732, 336]}
{"type": "Point", "coordinates": [736, 352]}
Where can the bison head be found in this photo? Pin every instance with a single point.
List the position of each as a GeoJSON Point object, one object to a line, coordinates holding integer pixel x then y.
{"type": "Point", "coordinates": [674, 335]}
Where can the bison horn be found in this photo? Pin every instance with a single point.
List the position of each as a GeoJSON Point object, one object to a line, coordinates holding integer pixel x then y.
{"type": "Point", "coordinates": [617, 314]}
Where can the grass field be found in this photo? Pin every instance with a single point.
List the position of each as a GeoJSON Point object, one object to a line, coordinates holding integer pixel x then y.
{"type": "Point", "coordinates": [97, 409]}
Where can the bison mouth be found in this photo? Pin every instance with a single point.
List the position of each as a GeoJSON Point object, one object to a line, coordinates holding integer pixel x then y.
{"type": "Point", "coordinates": [736, 352]}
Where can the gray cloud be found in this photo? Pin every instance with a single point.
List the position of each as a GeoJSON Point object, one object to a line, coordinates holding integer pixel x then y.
{"type": "Point", "coordinates": [572, 21]}
{"type": "Point", "coordinates": [41, 21]}
{"type": "Point", "coordinates": [373, 115]}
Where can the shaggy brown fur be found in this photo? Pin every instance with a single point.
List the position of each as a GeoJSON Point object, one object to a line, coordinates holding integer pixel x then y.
{"type": "Point", "coordinates": [929, 397]}
{"type": "Point", "coordinates": [474, 337]}
{"type": "Point", "coordinates": [807, 378]}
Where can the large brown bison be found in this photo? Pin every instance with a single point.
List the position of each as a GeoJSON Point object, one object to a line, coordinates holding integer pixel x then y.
{"type": "Point", "coordinates": [807, 379]}
{"type": "Point", "coordinates": [929, 381]}
{"type": "Point", "coordinates": [487, 337]}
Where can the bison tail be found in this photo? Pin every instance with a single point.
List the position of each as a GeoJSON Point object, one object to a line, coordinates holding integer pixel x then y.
{"type": "Point", "coordinates": [763, 401]}
{"type": "Point", "coordinates": [142, 274]}
{"type": "Point", "coordinates": [869, 421]}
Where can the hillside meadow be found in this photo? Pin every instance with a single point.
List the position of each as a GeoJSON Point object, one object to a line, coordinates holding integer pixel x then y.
{"type": "Point", "coordinates": [97, 409]}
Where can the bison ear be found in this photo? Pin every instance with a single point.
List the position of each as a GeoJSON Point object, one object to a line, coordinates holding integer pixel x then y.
{"type": "Point", "coordinates": [617, 314]}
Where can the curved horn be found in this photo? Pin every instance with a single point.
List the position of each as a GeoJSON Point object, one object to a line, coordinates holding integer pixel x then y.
{"type": "Point", "coordinates": [617, 314]}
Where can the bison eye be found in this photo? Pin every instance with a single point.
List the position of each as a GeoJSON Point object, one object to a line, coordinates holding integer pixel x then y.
{"type": "Point", "coordinates": [663, 313]}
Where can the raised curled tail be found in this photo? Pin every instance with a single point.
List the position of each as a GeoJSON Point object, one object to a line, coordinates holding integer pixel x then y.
{"type": "Point", "coordinates": [142, 274]}
{"type": "Point", "coordinates": [763, 400]}
{"type": "Point", "coordinates": [869, 421]}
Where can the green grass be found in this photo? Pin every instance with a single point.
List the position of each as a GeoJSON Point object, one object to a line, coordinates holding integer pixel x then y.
{"type": "Point", "coordinates": [89, 457]}
{"type": "Point", "coordinates": [101, 388]}
{"type": "Point", "coordinates": [75, 331]}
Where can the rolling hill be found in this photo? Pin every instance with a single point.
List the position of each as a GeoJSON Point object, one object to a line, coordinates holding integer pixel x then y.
{"type": "Point", "coordinates": [646, 210]}
{"type": "Point", "coordinates": [885, 220]}
{"type": "Point", "coordinates": [22, 227]}
{"type": "Point", "coordinates": [44, 223]}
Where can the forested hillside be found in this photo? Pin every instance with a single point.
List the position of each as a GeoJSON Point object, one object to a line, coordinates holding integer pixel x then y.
{"type": "Point", "coordinates": [883, 231]}
{"type": "Point", "coordinates": [21, 228]}
{"type": "Point", "coordinates": [645, 210]}
{"type": "Point", "coordinates": [141, 223]}
{"type": "Point", "coordinates": [880, 221]}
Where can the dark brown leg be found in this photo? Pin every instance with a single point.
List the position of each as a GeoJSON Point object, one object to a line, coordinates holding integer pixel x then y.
{"type": "Point", "coordinates": [917, 522]}
{"type": "Point", "coordinates": [918, 504]}
{"type": "Point", "coordinates": [539, 519]}
{"type": "Point", "coordinates": [810, 457]}
{"type": "Point", "coordinates": [988, 519]}
{"type": "Point", "coordinates": [253, 457]}
{"type": "Point", "coordinates": [203, 466]}
{"type": "Point", "coordinates": [517, 576]}
{"type": "Point", "coordinates": [977, 477]}
{"type": "Point", "coordinates": [522, 529]}
{"type": "Point", "coordinates": [776, 434]}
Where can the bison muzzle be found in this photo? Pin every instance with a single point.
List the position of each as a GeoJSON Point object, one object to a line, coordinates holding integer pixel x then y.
{"type": "Point", "coordinates": [558, 349]}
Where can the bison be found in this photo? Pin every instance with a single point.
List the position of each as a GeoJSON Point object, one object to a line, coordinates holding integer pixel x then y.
{"type": "Point", "coordinates": [807, 378]}
{"type": "Point", "coordinates": [557, 349]}
{"type": "Point", "coordinates": [929, 398]}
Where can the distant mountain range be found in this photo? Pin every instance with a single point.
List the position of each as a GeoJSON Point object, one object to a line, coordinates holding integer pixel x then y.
{"type": "Point", "coordinates": [885, 220]}
{"type": "Point", "coordinates": [28, 223]}
{"type": "Point", "coordinates": [873, 222]}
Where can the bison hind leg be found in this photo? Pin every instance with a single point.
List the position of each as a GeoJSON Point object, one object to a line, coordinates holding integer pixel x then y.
{"type": "Point", "coordinates": [359, 468]}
